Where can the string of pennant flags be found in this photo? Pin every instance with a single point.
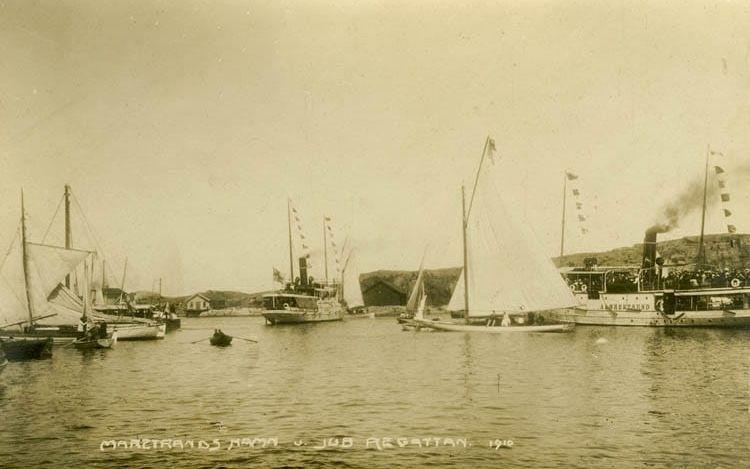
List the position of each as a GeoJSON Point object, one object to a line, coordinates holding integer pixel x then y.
{"type": "Point", "coordinates": [332, 242]}
{"type": "Point", "coordinates": [580, 210]}
{"type": "Point", "coordinates": [721, 180]}
{"type": "Point", "coordinates": [301, 234]}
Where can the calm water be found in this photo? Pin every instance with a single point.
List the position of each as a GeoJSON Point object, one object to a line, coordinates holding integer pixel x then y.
{"type": "Point", "coordinates": [599, 397]}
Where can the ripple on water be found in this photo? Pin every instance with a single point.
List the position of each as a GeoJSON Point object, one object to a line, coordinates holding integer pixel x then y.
{"type": "Point", "coordinates": [597, 397]}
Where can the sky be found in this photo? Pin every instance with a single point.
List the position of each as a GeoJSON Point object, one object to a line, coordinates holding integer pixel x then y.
{"type": "Point", "coordinates": [184, 127]}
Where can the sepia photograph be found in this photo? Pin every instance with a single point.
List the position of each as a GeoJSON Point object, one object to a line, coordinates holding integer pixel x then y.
{"type": "Point", "coordinates": [374, 234]}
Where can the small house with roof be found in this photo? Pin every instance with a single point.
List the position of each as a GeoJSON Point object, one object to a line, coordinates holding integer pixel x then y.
{"type": "Point", "coordinates": [197, 304]}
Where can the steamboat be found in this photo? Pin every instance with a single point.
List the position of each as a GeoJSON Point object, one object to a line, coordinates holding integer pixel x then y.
{"type": "Point", "coordinates": [303, 301]}
{"type": "Point", "coordinates": [658, 296]}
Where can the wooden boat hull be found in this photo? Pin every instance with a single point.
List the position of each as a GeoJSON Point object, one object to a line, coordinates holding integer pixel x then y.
{"type": "Point", "coordinates": [58, 334]}
{"type": "Point", "coordinates": [136, 331]}
{"type": "Point", "coordinates": [172, 324]}
{"type": "Point", "coordinates": [102, 343]}
{"type": "Point", "coordinates": [221, 341]}
{"type": "Point", "coordinates": [285, 316]}
{"type": "Point", "coordinates": [732, 319]}
{"type": "Point", "coordinates": [27, 348]}
{"type": "Point", "coordinates": [453, 327]}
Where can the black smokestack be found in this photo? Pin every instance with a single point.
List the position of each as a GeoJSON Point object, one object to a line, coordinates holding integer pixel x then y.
{"type": "Point", "coordinates": [303, 271]}
{"type": "Point", "coordinates": [649, 245]}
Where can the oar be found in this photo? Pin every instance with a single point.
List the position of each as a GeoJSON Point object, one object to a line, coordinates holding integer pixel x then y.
{"type": "Point", "coordinates": [200, 340]}
{"type": "Point", "coordinates": [249, 340]}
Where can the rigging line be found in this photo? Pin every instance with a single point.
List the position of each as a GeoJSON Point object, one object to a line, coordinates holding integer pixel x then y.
{"type": "Point", "coordinates": [93, 235]}
{"type": "Point", "coordinates": [21, 301]}
{"type": "Point", "coordinates": [57, 210]}
{"type": "Point", "coordinates": [90, 231]}
{"type": "Point", "coordinates": [10, 247]}
{"type": "Point", "coordinates": [476, 179]}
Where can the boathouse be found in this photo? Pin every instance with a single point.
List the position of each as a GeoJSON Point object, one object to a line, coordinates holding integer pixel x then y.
{"type": "Point", "coordinates": [383, 293]}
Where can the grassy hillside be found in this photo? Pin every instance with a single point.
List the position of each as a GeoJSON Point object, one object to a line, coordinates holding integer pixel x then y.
{"type": "Point", "coordinates": [218, 298]}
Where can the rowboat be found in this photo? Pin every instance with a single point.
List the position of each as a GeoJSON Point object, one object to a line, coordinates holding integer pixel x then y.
{"type": "Point", "coordinates": [220, 339]}
{"type": "Point", "coordinates": [90, 342]}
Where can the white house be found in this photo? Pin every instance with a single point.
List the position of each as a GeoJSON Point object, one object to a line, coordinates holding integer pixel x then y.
{"type": "Point", "coordinates": [197, 302]}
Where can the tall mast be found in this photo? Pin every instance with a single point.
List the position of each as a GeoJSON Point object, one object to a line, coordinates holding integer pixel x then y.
{"type": "Point", "coordinates": [68, 240]}
{"type": "Point", "coordinates": [562, 229]}
{"type": "Point", "coordinates": [701, 248]}
{"type": "Point", "coordinates": [488, 143]}
{"type": "Point", "coordinates": [291, 256]}
{"type": "Point", "coordinates": [122, 285]}
{"type": "Point", "coordinates": [325, 248]}
{"type": "Point", "coordinates": [86, 289]}
{"type": "Point", "coordinates": [29, 303]}
{"type": "Point", "coordinates": [159, 288]}
{"type": "Point", "coordinates": [466, 257]}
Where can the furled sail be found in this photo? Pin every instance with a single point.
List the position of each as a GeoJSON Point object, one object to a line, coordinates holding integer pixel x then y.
{"type": "Point", "coordinates": [507, 269]}
{"type": "Point", "coordinates": [352, 289]}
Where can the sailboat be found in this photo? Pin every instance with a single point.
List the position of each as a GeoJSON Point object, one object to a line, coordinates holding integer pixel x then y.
{"type": "Point", "coordinates": [129, 328]}
{"type": "Point", "coordinates": [506, 281]}
{"type": "Point", "coordinates": [303, 300]}
{"type": "Point", "coordinates": [416, 297]}
{"type": "Point", "coordinates": [31, 293]}
{"type": "Point", "coordinates": [95, 334]}
{"type": "Point", "coordinates": [351, 291]}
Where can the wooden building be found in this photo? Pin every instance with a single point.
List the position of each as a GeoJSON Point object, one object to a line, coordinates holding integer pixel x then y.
{"type": "Point", "coordinates": [383, 293]}
{"type": "Point", "coordinates": [197, 304]}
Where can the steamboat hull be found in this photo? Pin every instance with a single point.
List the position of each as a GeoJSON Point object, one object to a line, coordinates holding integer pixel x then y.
{"type": "Point", "coordinates": [729, 319]}
{"type": "Point", "coordinates": [274, 317]}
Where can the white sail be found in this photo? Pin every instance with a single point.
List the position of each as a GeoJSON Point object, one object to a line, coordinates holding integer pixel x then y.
{"type": "Point", "coordinates": [13, 288]}
{"type": "Point", "coordinates": [65, 305]}
{"type": "Point", "coordinates": [47, 267]}
{"type": "Point", "coordinates": [507, 269]}
{"type": "Point", "coordinates": [457, 298]}
{"type": "Point", "coordinates": [417, 292]}
{"type": "Point", "coordinates": [352, 289]}
{"type": "Point", "coordinates": [419, 313]}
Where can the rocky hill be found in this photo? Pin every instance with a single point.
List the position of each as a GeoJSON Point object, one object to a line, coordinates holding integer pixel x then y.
{"type": "Point", "coordinates": [722, 250]}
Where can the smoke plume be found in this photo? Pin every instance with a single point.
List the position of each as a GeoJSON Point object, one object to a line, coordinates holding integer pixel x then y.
{"type": "Point", "coordinates": [690, 199]}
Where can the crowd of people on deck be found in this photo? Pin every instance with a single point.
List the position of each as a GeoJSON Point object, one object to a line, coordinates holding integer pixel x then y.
{"type": "Point", "coordinates": [687, 279]}
{"type": "Point", "coordinates": [677, 279]}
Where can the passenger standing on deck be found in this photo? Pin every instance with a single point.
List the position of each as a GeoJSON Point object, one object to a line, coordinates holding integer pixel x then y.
{"type": "Point", "coordinates": [506, 320]}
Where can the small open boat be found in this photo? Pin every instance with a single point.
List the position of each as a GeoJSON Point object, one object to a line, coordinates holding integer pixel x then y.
{"type": "Point", "coordinates": [92, 341]}
{"type": "Point", "coordinates": [220, 339]}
